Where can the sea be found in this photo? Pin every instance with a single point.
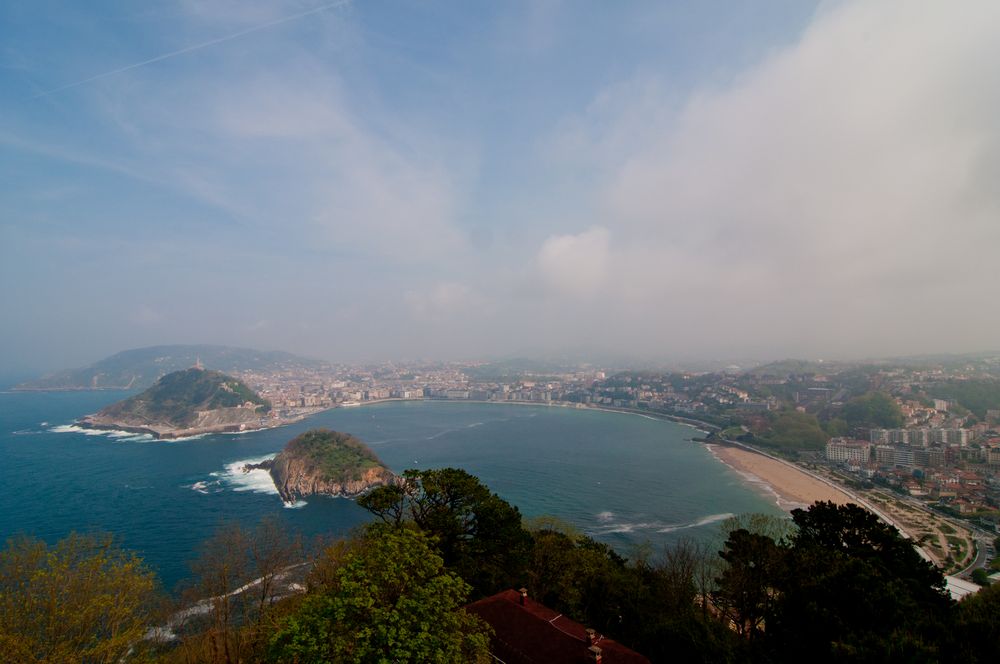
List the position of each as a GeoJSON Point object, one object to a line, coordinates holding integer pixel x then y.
{"type": "Point", "coordinates": [632, 481]}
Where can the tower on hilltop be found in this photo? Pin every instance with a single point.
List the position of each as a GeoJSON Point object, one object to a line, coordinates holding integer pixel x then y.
{"type": "Point", "coordinates": [198, 365]}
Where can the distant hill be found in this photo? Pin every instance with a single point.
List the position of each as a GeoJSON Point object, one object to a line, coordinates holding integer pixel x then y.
{"type": "Point", "coordinates": [185, 402]}
{"type": "Point", "coordinates": [141, 367]}
{"type": "Point", "coordinates": [784, 368]}
{"type": "Point", "coordinates": [326, 462]}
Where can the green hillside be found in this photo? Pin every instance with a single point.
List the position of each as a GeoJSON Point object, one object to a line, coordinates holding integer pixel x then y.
{"type": "Point", "coordinates": [331, 455]}
{"type": "Point", "coordinates": [177, 397]}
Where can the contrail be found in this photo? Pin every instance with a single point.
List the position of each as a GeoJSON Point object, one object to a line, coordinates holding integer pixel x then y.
{"type": "Point", "coordinates": [196, 47]}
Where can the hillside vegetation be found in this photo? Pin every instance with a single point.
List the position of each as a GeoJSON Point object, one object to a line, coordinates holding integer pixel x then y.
{"type": "Point", "coordinates": [332, 456]}
{"type": "Point", "coordinates": [177, 397]}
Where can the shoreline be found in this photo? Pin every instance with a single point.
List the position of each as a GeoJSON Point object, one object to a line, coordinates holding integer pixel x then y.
{"type": "Point", "coordinates": [789, 486]}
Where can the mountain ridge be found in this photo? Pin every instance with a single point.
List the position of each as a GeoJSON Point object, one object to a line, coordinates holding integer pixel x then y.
{"type": "Point", "coordinates": [139, 368]}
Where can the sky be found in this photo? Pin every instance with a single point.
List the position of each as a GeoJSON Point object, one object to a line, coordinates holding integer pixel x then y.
{"type": "Point", "coordinates": [375, 179]}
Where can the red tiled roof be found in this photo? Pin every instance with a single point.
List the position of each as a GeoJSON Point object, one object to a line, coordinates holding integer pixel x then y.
{"type": "Point", "coordinates": [535, 634]}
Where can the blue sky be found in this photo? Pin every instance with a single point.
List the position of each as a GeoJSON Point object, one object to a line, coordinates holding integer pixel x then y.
{"type": "Point", "coordinates": [366, 179]}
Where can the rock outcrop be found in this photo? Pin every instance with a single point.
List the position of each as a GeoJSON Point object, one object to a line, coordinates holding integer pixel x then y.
{"type": "Point", "coordinates": [324, 462]}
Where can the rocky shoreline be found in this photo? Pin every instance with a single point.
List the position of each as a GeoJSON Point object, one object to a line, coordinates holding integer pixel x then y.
{"type": "Point", "coordinates": [294, 482]}
{"type": "Point", "coordinates": [167, 433]}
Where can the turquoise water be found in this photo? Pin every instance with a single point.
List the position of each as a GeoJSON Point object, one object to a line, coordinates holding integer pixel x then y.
{"type": "Point", "coordinates": [622, 478]}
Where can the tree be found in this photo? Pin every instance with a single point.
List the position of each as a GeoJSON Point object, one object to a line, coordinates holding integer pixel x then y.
{"type": "Point", "coordinates": [876, 409]}
{"type": "Point", "coordinates": [747, 592]}
{"type": "Point", "coordinates": [977, 637]}
{"type": "Point", "coordinates": [236, 588]}
{"type": "Point", "coordinates": [981, 576]}
{"type": "Point", "coordinates": [856, 591]}
{"type": "Point", "coordinates": [82, 600]}
{"type": "Point", "coordinates": [392, 600]}
{"type": "Point", "coordinates": [778, 528]}
{"type": "Point", "coordinates": [792, 430]}
{"type": "Point", "coordinates": [478, 533]}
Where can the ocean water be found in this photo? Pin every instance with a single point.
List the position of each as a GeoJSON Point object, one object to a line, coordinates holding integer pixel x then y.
{"type": "Point", "coordinates": [627, 480]}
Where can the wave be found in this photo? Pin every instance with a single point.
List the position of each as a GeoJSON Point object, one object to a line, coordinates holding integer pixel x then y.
{"type": "Point", "coordinates": [295, 504]}
{"type": "Point", "coordinates": [115, 435]}
{"type": "Point", "coordinates": [614, 528]}
{"type": "Point", "coordinates": [204, 487]}
{"type": "Point", "coordinates": [254, 481]}
{"type": "Point", "coordinates": [610, 526]}
{"type": "Point", "coordinates": [186, 438]}
{"type": "Point", "coordinates": [704, 521]}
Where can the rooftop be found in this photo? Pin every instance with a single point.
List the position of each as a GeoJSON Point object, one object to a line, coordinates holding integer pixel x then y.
{"type": "Point", "coordinates": [527, 632]}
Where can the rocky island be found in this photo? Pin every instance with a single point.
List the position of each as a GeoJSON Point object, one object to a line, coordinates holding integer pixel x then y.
{"type": "Point", "coordinates": [325, 462]}
{"type": "Point", "coordinates": [186, 403]}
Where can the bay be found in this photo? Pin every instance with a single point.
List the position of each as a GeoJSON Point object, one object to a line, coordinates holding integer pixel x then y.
{"type": "Point", "coordinates": [627, 480]}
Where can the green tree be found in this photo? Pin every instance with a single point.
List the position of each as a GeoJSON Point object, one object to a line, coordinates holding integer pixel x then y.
{"type": "Point", "coordinates": [392, 600]}
{"type": "Point", "coordinates": [856, 591]}
{"type": "Point", "coordinates": [977, 630]}
{"type": "Point", "coordinates": [981, 576]}
{"type": "Point", "coordinates": [81, 600]}
{"type": "Point", "coordinates": [747, 591]}
{"type": "Point", "coordinates": [478, 533]}
{"type": "Point", "coordinates": [876, 409]}
{"type": "Point", "coordinates": [792, 430]}
{"type": "Point", "coordinates": [778, 528]}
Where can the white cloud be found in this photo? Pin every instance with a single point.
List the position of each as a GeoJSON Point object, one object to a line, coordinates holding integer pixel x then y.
{"type": "Point", "coordinates": [842, 181]}
{"type": "Point", "coordinates": [575, 264]}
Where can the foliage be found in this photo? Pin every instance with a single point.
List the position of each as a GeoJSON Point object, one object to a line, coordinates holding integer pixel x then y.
{"type": "Point", "coordinates": [391, 600]}
{"type": "Point", "coordinates": [792, 430]}
{"type": "Point", "coordinates": [237, 580]}
{"type": "Point", "coordinates": [852, 589]}
{"type": "Point", "coordinates": [340, 457]}
{"type": "Point", "coordinates": [976, 395]}
{"type": "Point", "coordinates": [178, 396]}
{"type": "Point", "coordinates": [836, 427]}
{"type": "Point", "coordinates": [875, 409]}
{"type": "Point", "coordinates": [981, 576]}
{"type": "Point", "coordinates": [780, 529]}
{"type": "Point", "coordinates": [652, 606]}
{"type": "Point", "coordinates": [81, 600]}
{"type": "Point", "coordinates": [478, 533]}
{"type": "Point", "coordinates": [747, 589]}
{"type": "Point", "coordinates": [977, 632]}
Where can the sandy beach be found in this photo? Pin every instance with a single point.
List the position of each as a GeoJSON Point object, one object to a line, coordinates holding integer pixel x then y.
{"type": "Point", "coordinates": [791, 486]}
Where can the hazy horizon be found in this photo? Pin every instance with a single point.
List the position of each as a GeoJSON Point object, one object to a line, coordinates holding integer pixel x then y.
{"type": "Point", "coordinates": [362, 180]}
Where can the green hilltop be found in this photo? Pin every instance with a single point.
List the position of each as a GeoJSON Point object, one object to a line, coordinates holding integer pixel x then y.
{"type": "Point", "coordinates": [331, 455]}
{"type": "Point", "coordinates": [177, 398]}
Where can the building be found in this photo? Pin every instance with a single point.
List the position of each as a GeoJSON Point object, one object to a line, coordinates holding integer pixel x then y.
{"type": "Point", "coordinates": [853, 452]}
{"type": "Point", "coordinates": [526, 632]}
{"type": "Point", "coordinates": [885, 455]}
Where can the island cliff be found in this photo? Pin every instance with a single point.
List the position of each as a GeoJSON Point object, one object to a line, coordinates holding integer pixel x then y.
{"type": "Point", "coordinates": [328, 463]}
{"type": "Point", "coordinates": [186, 403]}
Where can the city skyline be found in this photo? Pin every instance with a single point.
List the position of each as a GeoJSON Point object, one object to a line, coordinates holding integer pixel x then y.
{"type": "Point", "coordinates": [359, 180]}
